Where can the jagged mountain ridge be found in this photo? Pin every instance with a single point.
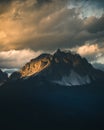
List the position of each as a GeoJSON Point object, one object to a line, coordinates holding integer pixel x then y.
{"type": "Point", "coordinates": [64, 68]}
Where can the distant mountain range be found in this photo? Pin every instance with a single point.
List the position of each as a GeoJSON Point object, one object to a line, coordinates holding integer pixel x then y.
{"type": "Point", "coordinates": [62, 67]}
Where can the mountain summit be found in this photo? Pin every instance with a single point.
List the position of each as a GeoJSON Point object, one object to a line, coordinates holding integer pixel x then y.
{"type": "Point", "coordinates": [62, 67]}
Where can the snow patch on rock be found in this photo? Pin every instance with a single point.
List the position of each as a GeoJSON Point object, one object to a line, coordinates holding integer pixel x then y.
{"type": "Point", "coordinates": [73, 79]}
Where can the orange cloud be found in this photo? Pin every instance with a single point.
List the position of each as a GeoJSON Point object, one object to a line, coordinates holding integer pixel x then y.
{"type": "Point", "coordinates": [88, 49]}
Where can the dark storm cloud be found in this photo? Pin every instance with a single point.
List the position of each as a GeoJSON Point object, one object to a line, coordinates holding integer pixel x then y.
{"type": "Point", "coordinates": [96, 25]}
{"type": "Point", "coordinates": [43, 1]}
{"type": "Point", "coordinates": [4, 6]}
{"type": "Point", "coordinates": [5, 1]}
{"type": "Point", "coordinates": [98, 3]}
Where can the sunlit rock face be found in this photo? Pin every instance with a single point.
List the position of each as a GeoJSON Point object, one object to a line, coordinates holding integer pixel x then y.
{"type": "Point", "coordinates": [63, 67]}
{"type": "Point", "coordinates": [36, 65]}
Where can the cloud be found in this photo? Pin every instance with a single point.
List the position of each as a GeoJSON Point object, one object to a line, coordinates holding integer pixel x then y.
{"type": "Point", "coordinates": [46, 25]}
{"type": "Point", "coordinates": [16, 58]}
{"type": "Point", "coordinates": [93, 52]}
{"type": "Point", "coordinates": [88, 49]}
{"type": "Point", "coordinates": [94, 25]}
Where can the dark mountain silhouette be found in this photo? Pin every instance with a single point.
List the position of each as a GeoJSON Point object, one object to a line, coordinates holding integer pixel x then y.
{"type": "Point", "coordinates": [3, 77]}
{"type": "Point", "coordinates": [60, 91]}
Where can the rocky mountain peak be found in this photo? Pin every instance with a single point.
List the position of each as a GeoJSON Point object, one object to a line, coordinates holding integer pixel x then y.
{"type": "Point", "coordinates": [63, 67]}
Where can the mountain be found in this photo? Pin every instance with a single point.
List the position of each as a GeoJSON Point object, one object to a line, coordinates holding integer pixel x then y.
{"type": "Point", "coordinates": [36, 97]}
{"type": "Point", "coordinates": [63, 68]}
{"type": "Point", "coordinates": [3, 77]}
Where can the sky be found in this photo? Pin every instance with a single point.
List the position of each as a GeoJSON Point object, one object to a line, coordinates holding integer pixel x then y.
{"type": "Point", "coordinates": [31, 27]}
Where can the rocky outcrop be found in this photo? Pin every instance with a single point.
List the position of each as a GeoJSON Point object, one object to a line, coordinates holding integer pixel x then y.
{"type": "Point", "coordinates": [36, 65]}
